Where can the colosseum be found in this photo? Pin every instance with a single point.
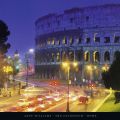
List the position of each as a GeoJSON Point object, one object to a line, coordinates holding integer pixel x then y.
{"type": "Point", "coordinates": [89, 36]}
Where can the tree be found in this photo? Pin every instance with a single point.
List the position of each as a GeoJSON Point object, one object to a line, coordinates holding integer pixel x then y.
{"type": "Point", "coordinates": [4, 33]}
{"type": "Point", "coordinates": [112, 77]}
{"type": "Point", "coordinates": [4, 46]}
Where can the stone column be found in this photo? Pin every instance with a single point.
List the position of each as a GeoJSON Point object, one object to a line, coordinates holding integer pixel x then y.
{"type": "Point", "coordinates": [91, 56]}
{"type": "Point", "coordinates": [60, 55]}
{"type": "Point", "coordinates": [112, 38]}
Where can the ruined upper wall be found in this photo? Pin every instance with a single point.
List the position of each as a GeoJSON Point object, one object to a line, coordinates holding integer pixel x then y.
{"type": "Point", "coordinates": [87, 17]}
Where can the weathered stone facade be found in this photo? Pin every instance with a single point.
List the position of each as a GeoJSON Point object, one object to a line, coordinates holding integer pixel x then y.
{"type": "Point", "coordinates": [89, 36]}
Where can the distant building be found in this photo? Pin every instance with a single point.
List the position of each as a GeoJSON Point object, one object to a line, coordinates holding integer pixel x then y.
{"type": "Point", "coordinates": [89, 35]}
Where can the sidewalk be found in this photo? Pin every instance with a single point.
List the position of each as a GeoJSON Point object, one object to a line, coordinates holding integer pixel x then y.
{"type": "Point", "coordinates": [10, 92]}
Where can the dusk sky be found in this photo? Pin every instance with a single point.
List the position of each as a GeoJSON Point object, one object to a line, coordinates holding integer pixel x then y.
{"type": "Point", "coordinates": [20, 16]}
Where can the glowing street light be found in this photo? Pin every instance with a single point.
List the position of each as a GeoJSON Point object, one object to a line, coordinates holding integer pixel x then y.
{"type": "Point", "coordinates": [66, 65]}
{"type": "Point", "coordinates": [105, 68]}
{"type": "Point", "coordinates": [31, 50]}
{"type": "Point", "coordinates": [89, 67]}
{"type": "Point", "coordinates": [95, 67]}
{"type": "Point", "coordinates": [75, 64]}
{"type": "Point", "coordinates": [7, 69]}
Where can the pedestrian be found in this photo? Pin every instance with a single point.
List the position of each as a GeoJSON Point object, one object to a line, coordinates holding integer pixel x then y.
{"type": "Point", "coordinates": [10, 93]}
{"type": "Point", "coordinates": [0, 91]}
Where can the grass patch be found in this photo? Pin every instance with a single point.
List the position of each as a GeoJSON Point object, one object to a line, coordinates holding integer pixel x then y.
{"type": "Point", "coordinates": [109, 105]}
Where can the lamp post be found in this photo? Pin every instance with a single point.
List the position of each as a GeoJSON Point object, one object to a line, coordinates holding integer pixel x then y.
{"type": "Point", "coordinates": [27, 62]}
{"type": "Point", "coordinates": [67, 66]}
{"type": "Point", "coordinates": [68, 74]}
{"type": "Point", "coordinates": [91, 69]}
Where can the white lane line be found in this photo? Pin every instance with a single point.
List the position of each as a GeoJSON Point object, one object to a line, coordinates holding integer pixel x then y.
{"type": "Point", "coordinates": [95, 109]}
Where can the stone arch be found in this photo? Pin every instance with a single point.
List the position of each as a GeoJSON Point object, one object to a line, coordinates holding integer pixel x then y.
{"type": "Point", "coordinates": [71, 55]}
{"type": "Point", "coordinates": [107, 56]}
{"type": "Point", "coordinates": [64, 55]}
{"type": "Point", "coordinates": [116, 53]}
{"type": "Point", "coordinates": [58, 56]}
{"type": "Point", "coordinates": [96, 56]}
{"type": "Point", "coordinates": [79, 55]}
{"type": "Point", "coordinates": [53, 57]}
{"type": "Point", "coordinates": [87, 56]}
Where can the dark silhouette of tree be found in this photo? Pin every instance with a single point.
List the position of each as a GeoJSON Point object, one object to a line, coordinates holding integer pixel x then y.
{"type": "Point", "coordinates": [106, 79]}
{"type": "Point", "coordinates": [4, 33]}
{"type": "Point", "coordinates": [4, 46]}
{"type": "Point", "coordinates": [112, 77]}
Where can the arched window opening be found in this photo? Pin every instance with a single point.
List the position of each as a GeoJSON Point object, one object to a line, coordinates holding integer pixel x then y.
{"type": "Point", "coordinates": [64, 56]}
{"type": "Point", "coordinates": [79, 55]}
{"type": "Point", "coordinates": [64, 41]}
{"type": "Point", "coordinates": [86, 56]}
{"type": "Point", "coordinates": [116, 54]}
{"type": "Point", "coordinates": [71, 56]}
{"type": "Point", "coordinates": [53, 56]}
{"type": "Point", "coordinates": [58, 57]}
{"type": "Point", "coordinates": [107, 56]}
{"type": "Point", "coordinates": [71, 41]}
{"type": "Point", "coordinates": [96, 56]}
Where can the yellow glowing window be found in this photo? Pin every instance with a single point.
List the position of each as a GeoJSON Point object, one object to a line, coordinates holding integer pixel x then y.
{"type": "Point", "coordinates": [48, 42]}
{"type": "Point", "coordinates": [53, 42]}
{"type": "Point", "coordinates": [58, 56]}
{"type": "Point", "coordinates": [64, 40]}
{"type": "Point", "coordinates": [58, 42]}
{"type": "Point", "coordinates": [79, 40]}
{"type": "Point", "coordinates": [95, 56]}
{"type": "Point", "coordinates": [71, 41]}
{"type": "Point", "coordinates": [86, 56]}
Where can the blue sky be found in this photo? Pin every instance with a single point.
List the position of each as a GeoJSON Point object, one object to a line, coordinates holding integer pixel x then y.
{"type": "Point", "coordinates": [20, 16]}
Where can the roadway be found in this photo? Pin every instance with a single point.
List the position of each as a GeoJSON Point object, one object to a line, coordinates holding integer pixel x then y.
{"type": "Point", "coordinates": [8, 102]}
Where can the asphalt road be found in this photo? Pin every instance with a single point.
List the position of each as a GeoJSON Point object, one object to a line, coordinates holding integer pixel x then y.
{"type": "Point", "coordinates": [75, 106]}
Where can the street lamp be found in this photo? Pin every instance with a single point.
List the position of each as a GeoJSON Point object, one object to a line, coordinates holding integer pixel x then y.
{"type": "Point", "coordinates": [90, 69]}
{"type": "Point", "coordinates": [27, 62]}
{"type": "Point", "coordinates": [105, 68]}
{"type": "Point", "coordinates": [66, 65]}
{"type": "Point", "coordinates": [31, 51]}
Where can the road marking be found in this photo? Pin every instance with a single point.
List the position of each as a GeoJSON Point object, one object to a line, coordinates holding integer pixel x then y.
{"type": "Point", "coordinates": [54, 107]}
{"type": "Point", "coordinates": [95, 109]}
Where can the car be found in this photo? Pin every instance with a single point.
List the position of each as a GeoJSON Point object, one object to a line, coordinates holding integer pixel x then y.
{"type": "Point", "coordinates": [33, 103]}
{"type": "Point", "coordinates": [30, 109]}
{"type": "Point", "coordinates": [92, 84]}
{"type": "Point", "coordinates": [16, 109]}
{"type": "Point", "coordinates": [38, 109]}
{"type": "Point", "coordinates": [50, 101]}
{"type": "Point", "coordinates": [42, 106]}
{"type": "Point", "coordinates": [23, 103]}
{"type": "Point", "coordinates": [41, 97]}
{"type": "Point", "coordinates": [57, 99]}
{"type": "Point", "coordinates": [73, 98]}
{"type": "Point", "coordinates": [23, 87]}
{"type": "Point", "coordinates": [43, 103]}
{"type": "Point", "coordinates": [83, 99]}
{"type": "Point", "coordinates": [31, 98]}
{"type": "Point", "coordinates": [87, 92]}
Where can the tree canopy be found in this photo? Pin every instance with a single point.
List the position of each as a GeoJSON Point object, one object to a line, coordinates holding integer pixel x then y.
{"type": "Point", "coordinates": [112, 76]}
{"type": "Point", "coordinates": [4, 46]}
{"type": "Point", "coordinates": [4, 33]}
